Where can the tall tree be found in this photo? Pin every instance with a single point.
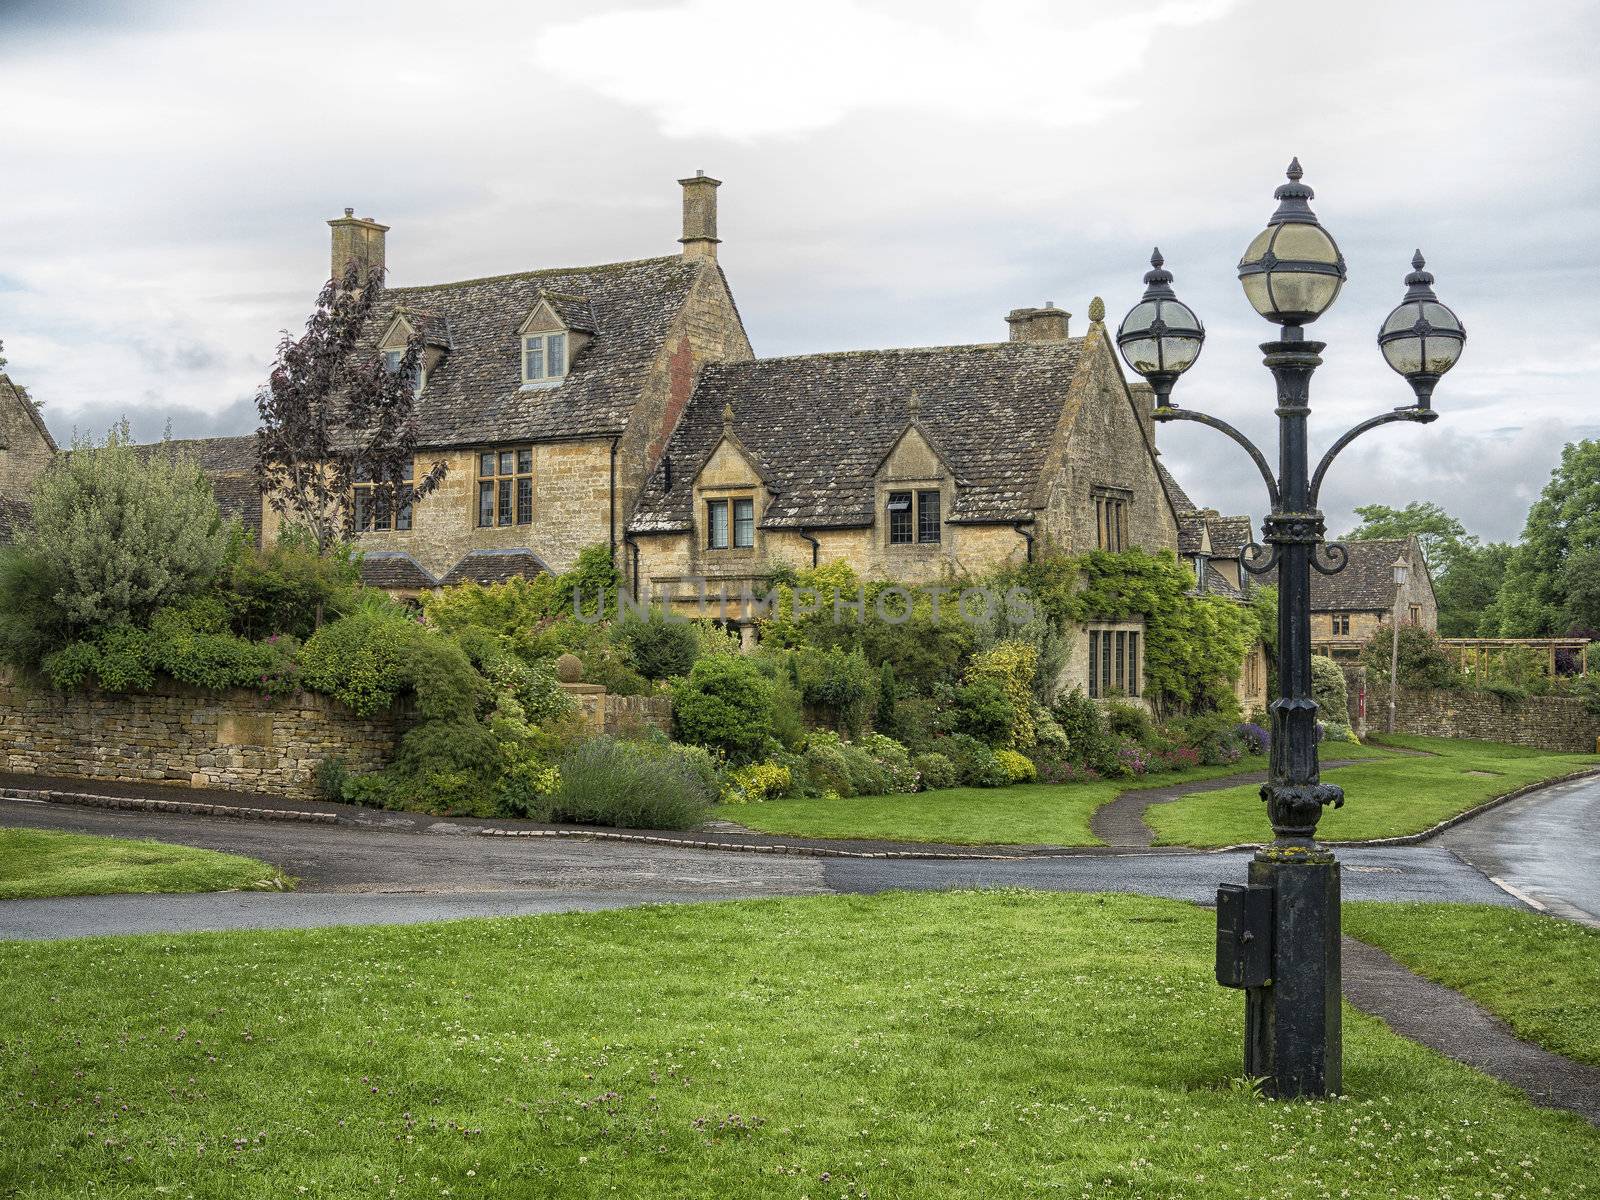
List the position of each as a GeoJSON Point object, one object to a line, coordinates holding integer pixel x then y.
{"type": "Point", "coordinates": [1549, 587]}
{"type": "Point", "coordinates": [1442, 536]}
{"type": "Point", "coordinates": [332, 412]}
{"type": "Point", "coordinates": [1467, 591]}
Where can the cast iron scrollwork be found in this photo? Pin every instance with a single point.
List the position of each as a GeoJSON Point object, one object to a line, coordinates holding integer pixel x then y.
{"type": "Point", "coordinates": [1338, 558]}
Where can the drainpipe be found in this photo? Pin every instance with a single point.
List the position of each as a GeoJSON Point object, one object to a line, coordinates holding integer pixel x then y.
{"type": "Point", "coordinates": [612, 529]}
{"type": "Point", "coordinates": [1026, 536]}
{"type": "Point", "coordinates": [816, 546]}
{"type": "Point", "coordinates": [634, 546]}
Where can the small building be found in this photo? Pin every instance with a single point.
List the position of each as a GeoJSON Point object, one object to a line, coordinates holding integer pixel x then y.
{"type": "Point", "coordinates": [1348, 608]}
{"type": "Point", "coordinates": [26, 449]}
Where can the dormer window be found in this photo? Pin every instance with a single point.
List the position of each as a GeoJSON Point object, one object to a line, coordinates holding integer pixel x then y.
{"type": "Point", "coordinates": [544, 357]}
{"type": "Point", "coordinates": [392, 361]}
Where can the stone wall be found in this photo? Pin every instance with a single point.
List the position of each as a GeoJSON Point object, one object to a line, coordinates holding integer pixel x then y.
{"type": "Point", "coordinates": [185, 737]}
{"type": "Point", "coordinates": [1559, 723]}
{"type": "Point", "coordinates": [619, 715]}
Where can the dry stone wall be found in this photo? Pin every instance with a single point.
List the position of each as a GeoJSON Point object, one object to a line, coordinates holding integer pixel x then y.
{"type": "Point", "coordinates": [185, 737]}
{"type": "Point", "coordinates": [1559, 723]}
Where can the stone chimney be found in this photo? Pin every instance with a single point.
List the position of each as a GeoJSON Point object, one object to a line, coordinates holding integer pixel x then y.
{"type": "Point", "coordinates": [700, 216]}
{"type": "Point", "coordinates": [1047, 324]}
{"type": "Point", "coordinates": [358, 240]}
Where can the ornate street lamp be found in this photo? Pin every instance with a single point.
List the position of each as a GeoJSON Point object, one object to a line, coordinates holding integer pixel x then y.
{"type": "Point", "coordinates": [1401, 570]}
{"type": "Point", "coordinates": [1278, 935]}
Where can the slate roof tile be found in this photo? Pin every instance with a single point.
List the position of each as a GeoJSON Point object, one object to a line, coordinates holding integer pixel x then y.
{"type": "Point", "coordinates": [495, 566]}
{"type": "Point", "coordinates": [394, 569]}
{"type": "Point", "coordinates": [819, 425]}
{"type": "Point", "coordinates": [1365, 585]}
{"type": "Point", "coordinates": [475, 393]}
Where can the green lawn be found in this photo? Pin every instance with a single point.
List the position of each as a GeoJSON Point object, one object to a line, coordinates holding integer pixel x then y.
{"type": "Point", "coordinates": [36, 862]}
{"type": "Point", "coordinates": [1024, 814]}
{"type": "Point", "coordinates": [932, 1045]}
{"type": "Point", "coordinates": [1384, 798]}
{"type": "Point", "coordinates": [1539, 975]}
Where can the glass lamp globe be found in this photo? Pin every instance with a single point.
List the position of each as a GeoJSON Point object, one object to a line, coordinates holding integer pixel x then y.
{"type": "Point", "coordinates": [1421, 339]}
{"type": "Point", "coordinates": [1400, 569]}
{"type": "Point", "coordinates": [1292, 272]}
{"type": "Point", "coordinates": [1160, 337]}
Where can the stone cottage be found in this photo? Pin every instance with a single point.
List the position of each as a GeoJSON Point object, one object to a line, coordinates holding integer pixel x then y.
{"type": "Point", "coordinates": [1348, 608]}
{"type": "Point", "coordinates": [914, 465]}
{"type": "Point", "coordinates": [26, 448]}
{"type": "Point", "coordinates": [549, 395]}
{"type": "Point", "coordinates": [621, 405]}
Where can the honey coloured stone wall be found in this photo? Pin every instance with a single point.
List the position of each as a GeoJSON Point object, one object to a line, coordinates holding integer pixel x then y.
{"type": "Point", "coordinates": [186, 737]}
{"type": "Point", "coordinates": [1559, 723]}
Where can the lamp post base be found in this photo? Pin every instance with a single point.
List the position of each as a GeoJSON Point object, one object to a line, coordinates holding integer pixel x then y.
{"type": "Point", "coordinates": [1292, 1024]}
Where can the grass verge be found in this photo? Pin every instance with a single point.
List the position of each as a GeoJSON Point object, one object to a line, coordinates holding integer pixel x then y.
{"type": "Point", "coordinates": [1539, 975]}
{"type": "Point", "coordinates": [1388, 797]}
{"type": "Point", "coordinates": [1024, 814]}
{"type": "Point", "coordinates": [946, 1045]}
{"type": "Point", "coordinates": [39, 862]}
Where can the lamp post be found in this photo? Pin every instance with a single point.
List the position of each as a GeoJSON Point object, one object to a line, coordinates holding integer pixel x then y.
{"type": "Point", "coordinates": [1400, 570]}
{"type": "Point", "coordinates": [1278, 935]}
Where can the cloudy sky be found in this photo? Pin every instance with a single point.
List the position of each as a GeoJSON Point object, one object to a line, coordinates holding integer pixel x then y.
{"type": "Point", "coordinates": [897, 173]}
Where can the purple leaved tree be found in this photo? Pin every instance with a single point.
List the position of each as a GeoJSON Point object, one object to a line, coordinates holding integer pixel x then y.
{"type": "Point", "coordinates": [334, 413]}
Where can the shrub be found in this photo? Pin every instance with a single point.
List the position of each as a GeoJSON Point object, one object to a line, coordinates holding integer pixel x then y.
{"type": "Point", "coordinates": [1213, 736]}
{"type": "Point", "coordinates": [1423, 661]}
{"type": "Point", "coordinates": [660, 648]}
{"type": "Point", "coordinates": [1132, 759]}
{"type": "Point", "coordinates": [825, 770]}
{"type": "Point", "coordinates": [1328, 689]}
{"type": "Point", "coordinates": [187, 646]}
{"type": "Point", "coordinates": [839, 683]}
{"type": "Point", "coordinates": [331, 777]}
{"type": "Point", "coordinates": [367, 661]}
{"type": "Point", "coordinates": [1507, 693]}
{"type": "Point", "coordinates": [120, 657]}
{"type": "Point", "coordinates": [446, 767]}
{"type": "Point", "coordinates": [725, 704]}
{"type": "Point", "coordinates": [1336, 731]}
{"type": "Point", "coordinates": [1254, 738]}
{"type": "Point", "coordinates": [604, 663]}
{"type": "Point", "coordinates": [1130, 722]}
{"type": "Point", "coordinates": [32, 625]}
{"type": "Point", "coordinates": [935, 771]}
{"type": "Point", "coordinates": [757, 783]}
{"type": "Point", "coordinates": [119, 532]}
{"type": "Point", "coordinates": [918, 720]}
{"type": "Point", "coordinates": [1018, 767]}
{"type": "Point", "coordinates": [1181, 758]}
{"type": "Point", "coordinates": [290, 588]}
{"type": "Point", "coordinates": [632, 785]}
{"type": "Point", "coordinates": [1088, 742]}
{"type": "Point", "coordinates": [1010, 665]}
{"type": "Point", "coordinates": [868, 777]}
{"type": "Point", "coordinates": [893, 758]}
{"type": "Point", "coordinates": [985, 712]}
{"type": "Point", "coordinates": [974, 762]}
{"type": "Point", "coordinates": [1063, 771]}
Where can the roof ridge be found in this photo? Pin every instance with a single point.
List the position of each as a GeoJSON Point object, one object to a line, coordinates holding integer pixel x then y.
{"type": "Point", "coordinates": [533, 274]}
{"type": "Point", "coordinates": [896, 350]}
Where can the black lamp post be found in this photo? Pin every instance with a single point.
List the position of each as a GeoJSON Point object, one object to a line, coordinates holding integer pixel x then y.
{"type": "Point", "coordinates": [1278, 935]}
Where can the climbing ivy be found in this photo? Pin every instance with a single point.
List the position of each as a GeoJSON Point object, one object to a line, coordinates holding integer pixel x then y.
{"type": "Point", "coordinates": [1194, 644]}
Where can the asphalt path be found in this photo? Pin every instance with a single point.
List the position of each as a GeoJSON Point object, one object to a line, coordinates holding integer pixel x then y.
{"type": "Point", "coordinates": [373, 876]}
{"type": "Point", "coordinates": [1543, 845]}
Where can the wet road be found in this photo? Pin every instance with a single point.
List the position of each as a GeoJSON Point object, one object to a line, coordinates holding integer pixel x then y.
{"type": "Point", "coordinates": [1546, 845]}
{"type": "Point", "coordinates": [372, 876]}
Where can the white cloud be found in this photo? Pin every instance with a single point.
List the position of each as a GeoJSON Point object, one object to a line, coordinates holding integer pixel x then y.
{"type": "Point", "coordinates": [729, 68]}
{"type": "Point", "coordinates": [897, 172]}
